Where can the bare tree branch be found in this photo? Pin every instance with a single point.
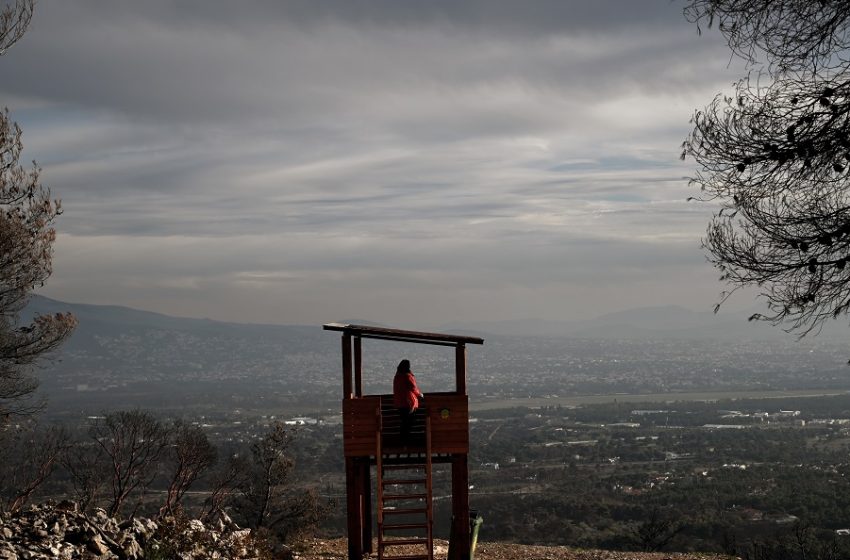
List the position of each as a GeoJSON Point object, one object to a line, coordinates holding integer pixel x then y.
{"type": "Point", "coordinates": [14, 21]}
{"type": "Point", "coordinates": [36, 453]}
{"type": "Point", "coordinates": [27, 214]}
{"type": "Point", "coordinates": [191, 454]}
{"type": "Point", "coordinates": [775, 158]}
{"type": "Point", "coordinates": [132, 443]}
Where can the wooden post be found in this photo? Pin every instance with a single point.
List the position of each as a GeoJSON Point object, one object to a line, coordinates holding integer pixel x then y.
{"type": "Point", "coordinates": [358, 368]}
{"type": "Point", "coordinates": [354, 509]}
{"type": "Point", "coordinates": [363, 514]}
{"type": "Point", "coordinates": [346, 366]}
{"type": "Point", "coordinates": [367, 507]}
{"type": "Point", "coordinates": [353, 502]}
{"type": "Point", "coordinates": [460, 509]}
{"type": "Point", "coordinates": [459, 549]}
{"type": "Point", "coordinates": [460, 368]}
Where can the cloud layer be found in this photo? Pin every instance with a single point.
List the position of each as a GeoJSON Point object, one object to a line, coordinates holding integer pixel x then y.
{"type": "Point", "coordinates": [407, 162]}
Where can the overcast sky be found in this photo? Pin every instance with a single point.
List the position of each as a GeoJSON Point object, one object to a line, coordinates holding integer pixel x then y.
{"type": "Point", "coordinates": [409, 162]}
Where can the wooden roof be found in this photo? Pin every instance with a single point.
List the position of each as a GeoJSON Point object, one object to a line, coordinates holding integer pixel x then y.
{"type": "Point", "coordinates": [381, 333]}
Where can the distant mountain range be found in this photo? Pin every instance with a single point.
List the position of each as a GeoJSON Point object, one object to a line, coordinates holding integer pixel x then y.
{"type": "Point", "coordinates": [120, 356]}
{"type": "Point", "coordinates": [119, 315]}
{"type": "Point", "coordinates": [660, 322]}
{"type": "Point", "coordinates": [99, 321]}
{"type": "Point", "coordinates": [128, 357]}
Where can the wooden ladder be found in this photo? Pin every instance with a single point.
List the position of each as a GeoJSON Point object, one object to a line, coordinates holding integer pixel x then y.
{"type": "Point", "coordinates": [405, 493]}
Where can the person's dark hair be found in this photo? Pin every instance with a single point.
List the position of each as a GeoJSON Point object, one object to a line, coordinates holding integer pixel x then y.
{"type": "Point", "coordinates": [403, 366]}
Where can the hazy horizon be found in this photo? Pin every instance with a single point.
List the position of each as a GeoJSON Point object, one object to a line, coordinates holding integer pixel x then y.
{"type": "Point", "coordinates": [653, 321]}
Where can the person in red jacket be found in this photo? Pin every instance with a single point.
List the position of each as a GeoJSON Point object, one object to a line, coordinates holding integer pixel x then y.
{"type": "Point", "coordinates": [406, 396]}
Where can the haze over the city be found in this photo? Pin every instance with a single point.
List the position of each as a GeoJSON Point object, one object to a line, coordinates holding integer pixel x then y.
{"type": "Point", "coordinates": [414, 163]}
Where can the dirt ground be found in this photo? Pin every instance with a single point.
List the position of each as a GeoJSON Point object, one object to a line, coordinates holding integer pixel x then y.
{"type": "Point", "coordinates": [337, 549]}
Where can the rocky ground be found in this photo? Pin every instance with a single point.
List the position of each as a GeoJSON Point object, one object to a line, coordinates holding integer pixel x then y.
{"type": "Point", "coordinates": [61, 531]}
{"type": "Point", "coordinates": [336, 549]}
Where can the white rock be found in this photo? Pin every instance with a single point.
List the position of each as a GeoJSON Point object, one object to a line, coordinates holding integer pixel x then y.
{"type": "Point", "coordinates": [132, 549]}
{"type": "Point", "coordinates": [97, 545]}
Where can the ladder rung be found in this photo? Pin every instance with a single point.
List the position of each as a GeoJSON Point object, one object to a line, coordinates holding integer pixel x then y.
{"type": "Point", "coordinates": [388, 482]}
{"type": "Point", "coordinates": [398, 526]}
{"type": "Point", "coordinates": [403, 466]}
{"type": "Point", "coordinates": [404, 511]}
{"type": "Point", "coordinates": [402, 450]}
{"type": "Point", "coordinates": [404, 496]}
{"type": "Point", "coordinates": [401, 542]}
{"type": "Point", "coordinates": [409, 459]}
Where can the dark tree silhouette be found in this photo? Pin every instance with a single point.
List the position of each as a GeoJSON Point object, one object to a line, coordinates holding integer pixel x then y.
{"type": "Point", "coordinates": [190, 454]}
{"type": "Point", "coordinates": [775, 157]}
{"type": "Point", "coordinates": [14, 21]}
{"type": "Point", "coordinates": [657, 530]}
{"type": "Point", "coordinates": [87, 471]}
{"type": "Point", "coordinates": [224, 483]}
{"type": "Point", "coordinates": [264, 497]}
{"type": "Point", "coordinates": [131, 443]}
{"type": "Point", "coordinates": [36, 451]}
{"type": "Point", "coordinates": [264, 486]}
{"type": "Point", "coordinates": [26, 250]}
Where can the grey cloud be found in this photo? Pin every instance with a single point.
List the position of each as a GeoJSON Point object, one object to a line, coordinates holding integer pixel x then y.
{"type": "Point", "coordinates": [354, 158]}
{"type": "Point", "coordinates": [532, 17]}
{"type": "Point", "coordinates": [257, 62]}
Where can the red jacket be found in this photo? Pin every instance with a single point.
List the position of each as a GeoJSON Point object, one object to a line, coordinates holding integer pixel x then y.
{"type": "Point", "coordinates": [405, 392]}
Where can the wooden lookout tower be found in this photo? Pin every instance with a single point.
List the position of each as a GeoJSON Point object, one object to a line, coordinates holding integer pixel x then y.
{"type": "Point", "coordinates": [403, 469]}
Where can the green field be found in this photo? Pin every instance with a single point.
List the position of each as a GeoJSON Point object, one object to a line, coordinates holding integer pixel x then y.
{"type": "Point", "coordinates": [493, 404]}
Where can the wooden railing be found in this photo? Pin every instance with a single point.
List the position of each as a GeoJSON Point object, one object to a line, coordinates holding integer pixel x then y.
{"type": "Point", "coordinates": [448, 414]}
